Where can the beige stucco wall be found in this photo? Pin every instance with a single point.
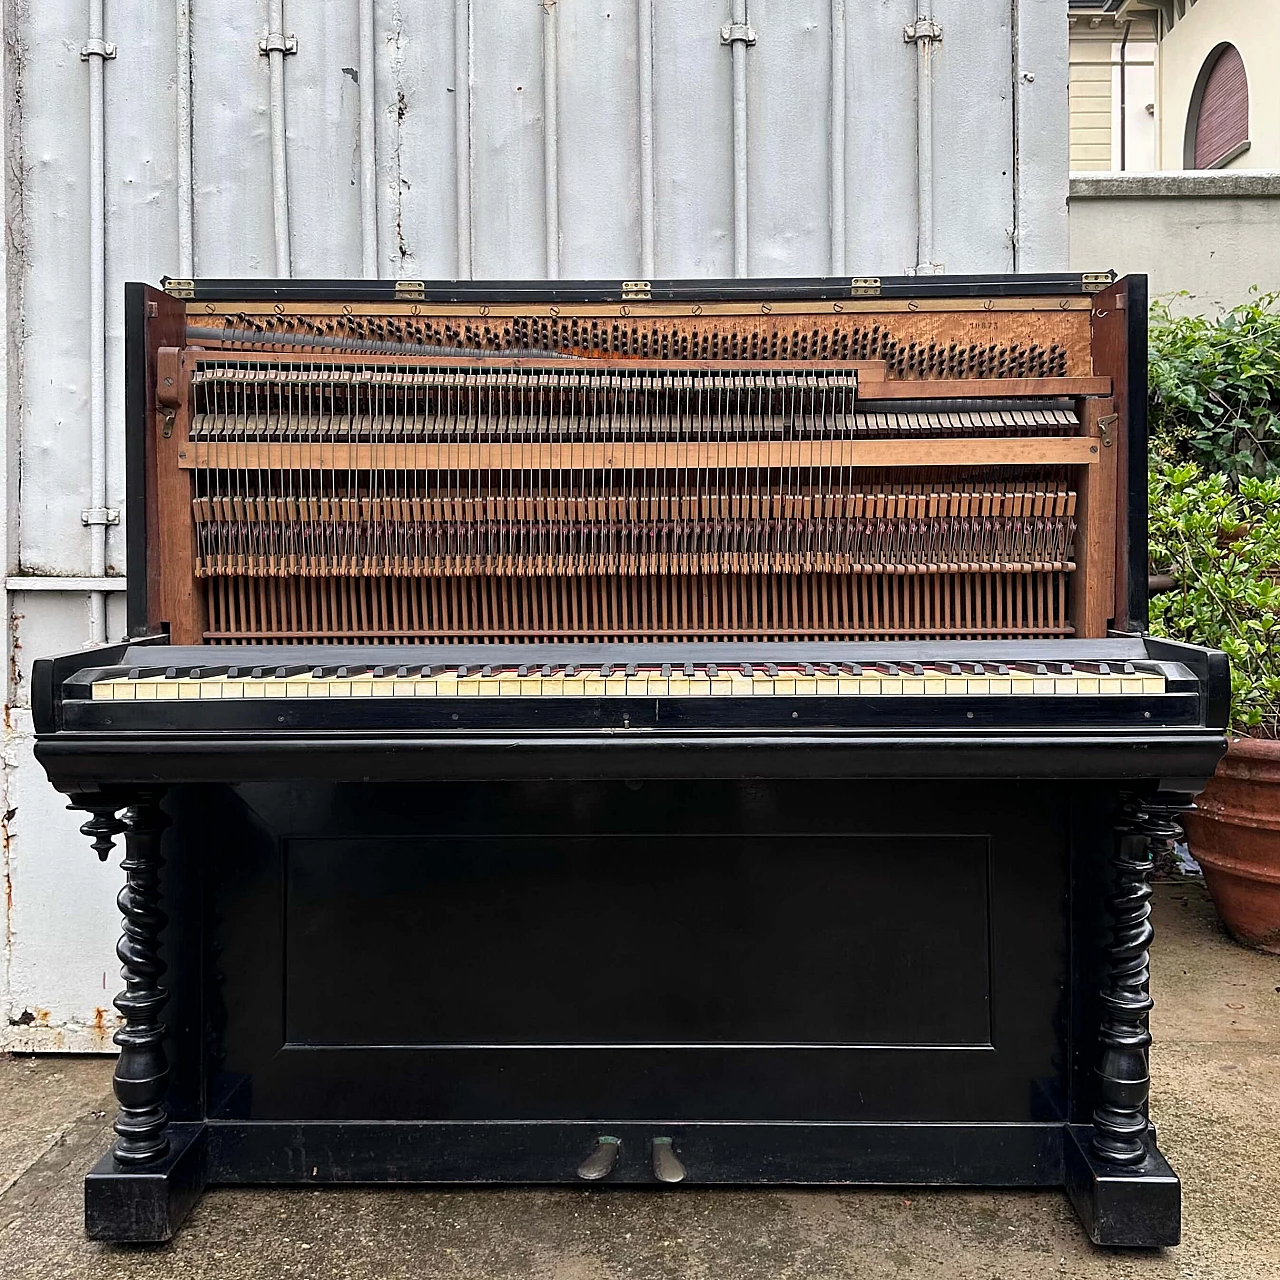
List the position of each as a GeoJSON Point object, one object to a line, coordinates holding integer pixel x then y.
{"type": "Point", "coordinates": [1211, 234]}
{"type": "Point", "coordinates": [1253, 26]}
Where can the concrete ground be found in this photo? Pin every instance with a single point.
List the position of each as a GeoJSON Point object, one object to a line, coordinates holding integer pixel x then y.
{"type": "Point", "coordinates": [1216, 1072]}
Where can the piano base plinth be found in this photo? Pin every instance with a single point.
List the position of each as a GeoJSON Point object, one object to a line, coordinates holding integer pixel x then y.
{"type": "Point", "coordinates": [147, 1203]}
{"type": "Point", "coordinates": [1135, 1206]}
{"type": "Point", "coordinates": [1131, 1207]}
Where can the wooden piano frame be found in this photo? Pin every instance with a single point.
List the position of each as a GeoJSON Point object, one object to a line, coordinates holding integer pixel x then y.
{"type": "Point", "coordinates": [913, 954]}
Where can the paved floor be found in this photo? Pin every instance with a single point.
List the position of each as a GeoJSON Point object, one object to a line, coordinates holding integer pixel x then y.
{"type": "Point", "coordinates": [1217, 1101]}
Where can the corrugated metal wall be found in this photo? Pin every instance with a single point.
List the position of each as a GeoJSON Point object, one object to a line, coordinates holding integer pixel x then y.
{"type": "Point", "coordinates": [512, 138]}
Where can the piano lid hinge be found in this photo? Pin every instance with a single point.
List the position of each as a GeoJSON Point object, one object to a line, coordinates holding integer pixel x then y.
{"type": "Point", "coordinates": [864, 287]}
{"type": "Point", "coordinates": [411, 290]}
{"type": "Point", "coordinates": [178, 288]}
{"type": "Point", "coordinates": [636, 289]}
{"type": "Point", "coordinates": [1096, 281]}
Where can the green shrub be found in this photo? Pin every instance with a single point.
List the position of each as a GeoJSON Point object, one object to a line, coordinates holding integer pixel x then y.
{"type": "Point", "coordinates": [1222, 548]}
{"type": "Point", "coordinates": [1215, 388]}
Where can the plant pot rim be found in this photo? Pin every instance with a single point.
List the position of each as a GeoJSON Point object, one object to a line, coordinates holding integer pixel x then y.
{"type": "Point", "coordinates": [1255, 748]}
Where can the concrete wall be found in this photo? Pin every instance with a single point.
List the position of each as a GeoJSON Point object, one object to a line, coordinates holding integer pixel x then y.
{"type": "Point", "coordinates": [510, 138]}
{"type": "Point", "coordinates": [1212, 234]}
{"type": "Point", "coordinates": [1253, 26]}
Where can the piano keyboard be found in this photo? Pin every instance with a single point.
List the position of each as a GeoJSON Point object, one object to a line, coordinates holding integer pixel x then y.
{"type": "Point", "coordinates": [631, 680]}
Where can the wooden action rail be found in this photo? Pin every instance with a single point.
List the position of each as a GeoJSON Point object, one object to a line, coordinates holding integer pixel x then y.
{"type": "Point", "coordinates": [742, 455]}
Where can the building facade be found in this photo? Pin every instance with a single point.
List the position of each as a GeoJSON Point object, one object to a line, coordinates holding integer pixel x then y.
{"type": "Point", "coordinates": [1174, 84]}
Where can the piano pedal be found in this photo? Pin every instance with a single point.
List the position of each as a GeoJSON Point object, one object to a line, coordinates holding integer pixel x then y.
{"type": "Point", "coordinates": [600, 1163]}
{"type": "Point", "coordinates": [666, 1164]}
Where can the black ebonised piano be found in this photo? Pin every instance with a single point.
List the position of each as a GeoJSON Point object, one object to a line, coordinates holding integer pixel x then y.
{"type": "Point", "coordinates": [650, 732]}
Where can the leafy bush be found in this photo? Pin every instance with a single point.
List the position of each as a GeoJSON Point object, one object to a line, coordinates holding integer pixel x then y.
{"type": "Point", "coordinates": [1215, 388]}
{"type": "Point", "coordinates": [1222, 548]}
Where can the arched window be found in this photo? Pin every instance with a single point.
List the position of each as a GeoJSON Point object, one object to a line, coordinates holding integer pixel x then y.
{"type": "Point", "coordinates": [1218, 121]}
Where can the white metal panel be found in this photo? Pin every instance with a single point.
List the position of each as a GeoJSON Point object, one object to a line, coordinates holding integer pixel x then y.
{"type": "Point", "coordinates": [1042, 144]}
{"type": "Point", "coordinates": [460, 100]}
{"type": "Point", "coordinates": [788, 138]}
{"type": "Point", "coordinates": [507, 182]}
{"type": "Point", "coordinates": [231, 147]}
{"type": "Point", "coordinates": [880, 133]}
{"type": "Point", "coordinates": [599, 145]}
{"type": "Point", "coordinates": [141, 211]}
{"type": "Point", "coordinates": [52, 328]}
{"type": "Point", "coordinates": [415, 106]}
{"type": "Point", "coordinates": [322, 114]}
{"type": "Point", "coordinates": [973, 136]}
{"type": "Point", "coordinates": [692, 140]}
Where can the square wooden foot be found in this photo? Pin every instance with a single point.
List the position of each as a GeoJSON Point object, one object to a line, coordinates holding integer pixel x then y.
{"type": "Point", "coordinates": [147, 1204]}
{"type": "Point", "coordinates": [1139, 1206]}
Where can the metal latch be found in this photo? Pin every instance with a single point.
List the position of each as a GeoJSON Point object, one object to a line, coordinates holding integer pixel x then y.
{"type": "Point", "coordinates": [864, 287]}
{"type": "Point", "coordinates": [1105, 425]}
{"type": "Point", "coordinates": [1096, 281]}
{"type": "Point", "coordinates": [921, 29]}
{"type": "Point", "coordinates": [737, 32]}
{"type": "Point", "coordinates": [276, 42]}
{"type": "Point", "coordinates": [100, 515]}
{"type": "Point", "coordinates": [414, 290]}
{"type": "Point", "coordinates": [633, 289]}
{"type": "Point", "coordinates": [179, 288]}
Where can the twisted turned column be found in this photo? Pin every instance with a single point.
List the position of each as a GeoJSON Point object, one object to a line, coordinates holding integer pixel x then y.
{"type": "Point", "coordinates": [1145, 828]}
{"type": "Point", "coordinates": [142, 1071]}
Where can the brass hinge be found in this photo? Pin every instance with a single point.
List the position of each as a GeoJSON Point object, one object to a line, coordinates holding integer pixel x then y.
{"type": "Point", "coordinates": [414, 290]}
{"type": "Point", "coordinates": [1096, 281]}
{"type": "Point", "coordinates": [636, 289]}
{"type": "Point", "coordinates": [179, 288]}
{"type": "Point", "coordinates": [864, 287]}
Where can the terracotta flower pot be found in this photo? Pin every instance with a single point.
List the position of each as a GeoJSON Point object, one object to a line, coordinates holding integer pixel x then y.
{"type": "Point", "coordinates": [1234, 835]}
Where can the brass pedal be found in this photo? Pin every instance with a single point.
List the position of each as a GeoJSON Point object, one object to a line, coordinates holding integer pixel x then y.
{"type": "Point", "coordinates": [666, 1164]}
{"type": "Point", "coordinates": [599, 1164]}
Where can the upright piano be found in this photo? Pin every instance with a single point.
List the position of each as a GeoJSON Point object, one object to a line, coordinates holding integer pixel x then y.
{"type": "Point", "coordinates": [691, 732]}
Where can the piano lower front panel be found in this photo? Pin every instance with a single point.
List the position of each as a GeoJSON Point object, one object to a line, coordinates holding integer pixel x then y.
{"type": "Point", "coordinates": [605, 952]}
